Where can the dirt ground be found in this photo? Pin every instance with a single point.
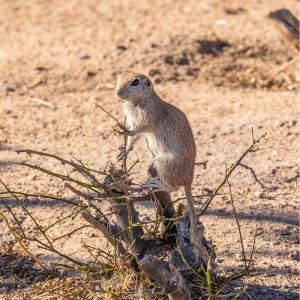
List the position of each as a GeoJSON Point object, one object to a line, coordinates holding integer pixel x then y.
{"type": "Point", "coordinates": [214, 59]}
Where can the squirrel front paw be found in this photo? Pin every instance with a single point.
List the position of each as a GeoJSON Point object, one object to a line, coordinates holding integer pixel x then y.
{"type": "Point", "coordinates": [125, 130]}
{"type": "Point", "coordinates": [122, 153]}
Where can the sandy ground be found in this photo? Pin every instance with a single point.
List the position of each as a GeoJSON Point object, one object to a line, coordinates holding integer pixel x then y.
{"type": "Point", "coordinates": [213, 59]}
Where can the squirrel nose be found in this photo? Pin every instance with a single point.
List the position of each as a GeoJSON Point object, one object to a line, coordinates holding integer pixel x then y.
{"type": "Point", "coordinates": [120, 93]}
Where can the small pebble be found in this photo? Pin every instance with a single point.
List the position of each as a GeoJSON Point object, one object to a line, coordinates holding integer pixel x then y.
{"type": "Point", "coordinates": [84, 56]}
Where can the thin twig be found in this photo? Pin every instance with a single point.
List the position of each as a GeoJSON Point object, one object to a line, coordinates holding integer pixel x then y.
{"type": "Point", "coordinates": [72, 216]}
{"type": "Point", "coordinates": [131, 167]}
{"type": "Point", "coordinates": [61, 176]}
{"type": "Point", "coordinates": [103, 227]}
{"type": "Point", "coordinates": [254, 175]}
{"type": "Point", "coordinates": [251, 148]}
{"type": "Point", "coordinates": [124, 164]}
{"type": "Point", "coordinates": [70, 233]}
{"type": "Point", "coordinates": [28, 213]}
{"type": "Point", "coordinates": [13, 232]}
{"type": "Point", "coordinates": [237, 222]}
{"type": "Point", "coordinates": [108, 113]}
{"type": "Point", "coordinates": [52, 249]}
{"type": "Point", "coordinates": [87, 197]}
{"type": "Point", "coordinates": [80, 168]}
{"type": "Point", "coordinates": [246, 270]}
{"type": "Point", "coordinates": [15, 218]}
{"type": "Point", "coordinates": [45, 196]}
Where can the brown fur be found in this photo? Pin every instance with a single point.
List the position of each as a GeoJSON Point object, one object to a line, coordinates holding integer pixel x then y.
{"type": "Point", "coordinates": [168, 135]}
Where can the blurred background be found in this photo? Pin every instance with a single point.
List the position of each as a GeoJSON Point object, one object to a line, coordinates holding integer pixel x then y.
{"type": "Point", "coordinates": [219, 61]}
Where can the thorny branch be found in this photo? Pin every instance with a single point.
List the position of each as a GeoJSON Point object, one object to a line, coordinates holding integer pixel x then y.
{"type": "Point", "coordinates": [78, 167]}
{"type": "Point", "coordinates": [13, 232]}
{"type": "Point", "coordinates": [254, 175]}
{"type": "Point", "coordinates": [121, 193]}
{"type": "Point", "coordinates": [251, 148]}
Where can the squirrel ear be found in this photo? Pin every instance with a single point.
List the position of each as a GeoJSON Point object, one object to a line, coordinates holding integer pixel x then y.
{"type": "Point", "coordinates": [148, 84]}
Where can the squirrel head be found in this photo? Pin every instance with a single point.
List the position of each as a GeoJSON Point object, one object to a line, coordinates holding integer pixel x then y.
{"type": "Point", "coordinates": [133, 87]}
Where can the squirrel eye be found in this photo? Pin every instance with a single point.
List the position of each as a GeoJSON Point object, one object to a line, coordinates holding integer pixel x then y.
{"type": "Point", "coordinates": [135, 82]}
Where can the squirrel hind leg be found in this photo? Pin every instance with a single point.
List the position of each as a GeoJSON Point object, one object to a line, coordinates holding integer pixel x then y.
{"type": "Point", "coordinates": [154, 184]}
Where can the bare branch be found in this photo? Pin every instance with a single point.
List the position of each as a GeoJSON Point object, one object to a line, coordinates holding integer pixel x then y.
{"type": "Point", "coordinates": [27, 211]}
{"type": "Point", "coordinates": [40, 195]}
{"type": "Point", "coordinates": [71, 232]}
{"type": "Point", "coordinates": [108, 113]}
{"type": "Point", "coordinates": [254, 175]}
{"type": "Point", "coordinates": [108, 231]}
{"type": "Point", "coordinates": [238, 223]}
{"type": "Point", "coordinates": [61, 176]}
{"type": "Point", "coordinates": [80, 168]}
{"type": "Point", "coordinates": [11, 229]}
{"type": "Point", "coordinates": [15, 218]}
{"type": "Point", "coordinates": [251, 148]}
{"type": "Point", "coordinates": [88, 198]}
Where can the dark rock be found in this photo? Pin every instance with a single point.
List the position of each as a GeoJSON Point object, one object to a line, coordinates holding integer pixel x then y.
{"type": "Point", "coordinates": [190, 72]}
{"type": "Point", "coordinates": [182, 61]}
{"type": "Point", "coordinates": [91, 74]}
{"type": "Point", "coordinates": [234, 11]}
{"type": "Point", "coordinates": [212, 47]}
{"type": "Point", "coordinates": [208, 191]}
{"type": "Point", "coordinates": [121, 47]}
{"type": "Point", "coordinates": [10, 89]}
{"type": "Point", "coordinates": [169, 60]}
{"type": "Point", "coordinates": [41, 69]}
{"type": "Point", "coordinates": [154, 72]}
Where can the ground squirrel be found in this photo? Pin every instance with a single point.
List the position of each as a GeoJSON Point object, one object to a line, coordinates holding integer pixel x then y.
{"type": "Point", "coordinates": [169, 138]}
